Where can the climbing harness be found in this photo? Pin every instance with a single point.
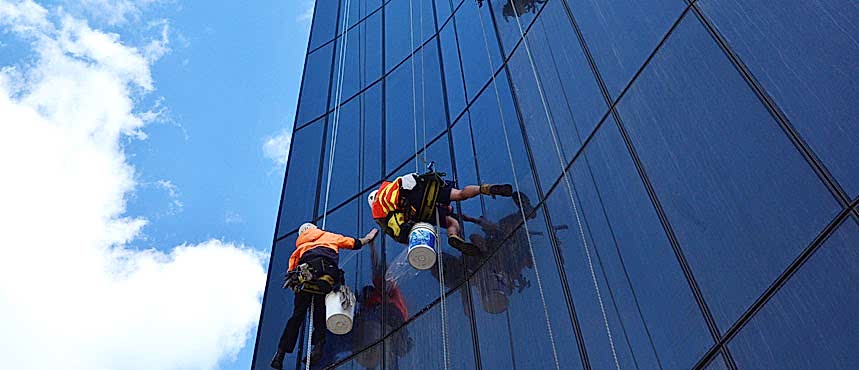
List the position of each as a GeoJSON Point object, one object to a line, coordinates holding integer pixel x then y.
{"type": "Point", "coordinates": [569, 188]}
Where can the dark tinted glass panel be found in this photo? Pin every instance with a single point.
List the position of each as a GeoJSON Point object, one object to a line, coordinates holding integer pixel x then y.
{"type": "Point", "coordinates": [563, 109]}
{"type": "Point", "coordinates": [497, 139]}
{"type": "Point", "coordinates": [811, 322]}
{"type": "Point", "coordinates": [805, 55]}
{"type": "Point", "coordinates": [314, 86]}
{"type": "Point", "coordinates": [325, 23]}
{"type": "Point", "coordinates": [741, 199]}
{"type": "Point", "coordinates": [444, 9]}
{"type": "Point", "coordinates": [621, 34]}
{"type": "Point", "coordinates": [399, 26]}
{"type": "Point", "coordinates": [359, 10]}
{"type": "Point", "coordinates": [466, 165]}
{"type": "Point", "coordinates": [278, 306]}
{"type": "Point", "coordinates": [420, 344]}
{"type": "Point", "coordinates": [455, 89]}
{"type": "Point", "coordinates": [717, 364]}
{"type": "Point", "coordinates": [512, 302]}
{"type": "Point", "coordinates": [369, 358]}
{"type": "Point", "coordinates": [362, 62]}
{"type": "Point", "coordinates": [301, 179]}
{"type": "Point", "coordinates": [342, 180]}
{"type": "Point", "coordinates": [371, 136]}
{"type": "Point", "coordinates": [651, 312]}
{"type": "Point", "coordinates": [513, 17]}
{"type": "Point", "coordinates": [402, 119]}
{"type": "Point", "coordinates": [476, 33]}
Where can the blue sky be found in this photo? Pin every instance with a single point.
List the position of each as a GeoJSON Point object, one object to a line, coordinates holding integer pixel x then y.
{"type": "Point", "coordinates": [144, 143]}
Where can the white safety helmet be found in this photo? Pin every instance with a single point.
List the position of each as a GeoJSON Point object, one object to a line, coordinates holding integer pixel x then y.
{"type": "Point", "coordinates": [372, 198]}
{"type": "Point", "coordinates": [306, 226]}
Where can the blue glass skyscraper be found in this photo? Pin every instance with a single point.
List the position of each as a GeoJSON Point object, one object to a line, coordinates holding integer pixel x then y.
{"type": "Point", "coordinates": [692, 169]}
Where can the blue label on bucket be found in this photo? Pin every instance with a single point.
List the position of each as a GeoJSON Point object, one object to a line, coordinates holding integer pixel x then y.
{"type": "Point", "coordinates": [421, 236]}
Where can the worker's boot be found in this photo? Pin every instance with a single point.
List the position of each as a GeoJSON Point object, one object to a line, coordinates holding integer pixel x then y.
{"type": "Point", "coordinates": [277, 361]}
{"type": "Point", "coordinates": [504, 190]}
{"type": "Point", "coordinates": [524, 203]}
{"type": "Point", "coordinates": [463, 246]}
{"type": "Point", "coordinates": [315, 354]}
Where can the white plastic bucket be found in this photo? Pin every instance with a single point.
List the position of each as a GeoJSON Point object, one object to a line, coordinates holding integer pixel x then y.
{"type": "Point", "coordinates": [494, 293]}
{"type": "Point", "coordinates": [422, 241]}
{"type": "Point", "coordinates": [338, 318]}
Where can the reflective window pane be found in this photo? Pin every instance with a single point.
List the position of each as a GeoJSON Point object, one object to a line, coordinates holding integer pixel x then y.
{"type": "Point", "coordinates": [513, 17]}
{"type": "Point", "coordinates": [399, 26]}
{"type": "Point", "coordinates": [741, 199]}
{"type": "Point", "coordinates": [475, 32]}
{"type": "Point", "coordinates": [805, 55]}
{"type": "Point", "coordinates": [420, 344]}
{"type": "Point", "coordinates": [717, 364]}
{"type": "Point", "coordinates": [314, 85]}
{"type": "Point", "coordinates": [362, 63]}
{"type": "Point", "coordinates": [651, 311]}
{"type": "Point", "coordinates": [810, 323]}
{"type": "Point", "coordinates": [455, 89]}
{"type": "Point", "coordinates": [303, 174]}
{"type": "Point", "coordinates": [278, 306]}
{"type": "Point", "coordinates": [573, 101]}
{"type": "Point", "coordinates": [325, 23]}
{"type": "Point", "coordinates": [509, 307]}
{"type": "Point", "coordinates": [411, 107]}
{"type": "Point", "coordinates": [621, 34]}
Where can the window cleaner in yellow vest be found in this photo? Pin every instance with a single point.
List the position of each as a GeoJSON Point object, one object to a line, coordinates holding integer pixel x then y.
{"type": "Point", "coordinates": [313, 273]}
{"type": "Point", "coordinates": [400, 204]}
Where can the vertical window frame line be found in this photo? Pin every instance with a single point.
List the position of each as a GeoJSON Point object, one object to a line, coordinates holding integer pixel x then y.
{"type": "Point", "coordinates": [466, 290]}
{"type": "Point", "coordinates": [571, 311]}
{"type": "Point", "coordinates": [687, 271]}
{"type": "Point", "coordinates": [383, 245]}
{"type": "Point", "coordinates": [787, 127]}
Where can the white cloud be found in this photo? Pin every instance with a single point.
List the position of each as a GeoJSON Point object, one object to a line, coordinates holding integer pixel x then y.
{"type": "Point", "coordinates": [75, 293]}
{"type": "Point", "coordinates": [276, 147]}
{"type": "Point", "coordinates": [172, 190]}
{"type": "Point", "coordinates": [307, 14]}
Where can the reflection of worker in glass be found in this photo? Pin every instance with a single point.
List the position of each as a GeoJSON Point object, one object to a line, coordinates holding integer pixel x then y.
{"type": "Point", "coordinates": [497, 279]}
{"type": "Point", "coordinates": [516, 8]}
{"type": "Point", "coordinates": [313, 273]}
{"type": "Point", "coordinates": [398, 205]}
{"type": "Point", "coordinates": [368, 318]}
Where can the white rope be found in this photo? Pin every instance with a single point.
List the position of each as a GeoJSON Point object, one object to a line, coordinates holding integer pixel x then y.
{"type": "Point", "coordinates": [335, 126]}
{"type": "Point", "coordinates": [569, 187]}
{"type": "Point", "coordinates": [423, 90]}
{"type": "Point", "coordinates": [414, 92]}
{"type": "Point", "coordinates": [441, 288]}
{"type": "Point", "coordinates": [521, 209]}
{"type": "Point", "coordinates": [309, 337]}
{"type": "Point", "coordinates": [337, 108]}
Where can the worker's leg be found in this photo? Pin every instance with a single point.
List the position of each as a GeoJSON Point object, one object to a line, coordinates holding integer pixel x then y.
{"type": "Point", "coordinates": [467, 192]}
{"type": "Point", "coordinates": [452, 226]}
{"type": "Point", "coordinates": [319, 327]}
{"type": "Point", "coordinates": [456, 241]}
{"type": "Point", "coordinates": [471, 191]}
{"type": "Point", "coordinates": [290, 332]}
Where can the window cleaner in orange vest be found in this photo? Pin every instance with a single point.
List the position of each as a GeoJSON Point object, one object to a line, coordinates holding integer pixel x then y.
{"type": "Point", "coordinates": [313, 273]}
{"type": "Point", "coordinates": [400, 204]}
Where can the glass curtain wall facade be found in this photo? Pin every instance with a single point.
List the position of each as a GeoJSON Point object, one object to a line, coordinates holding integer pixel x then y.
{"type": "Point", "coordinates": [692, 167]}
